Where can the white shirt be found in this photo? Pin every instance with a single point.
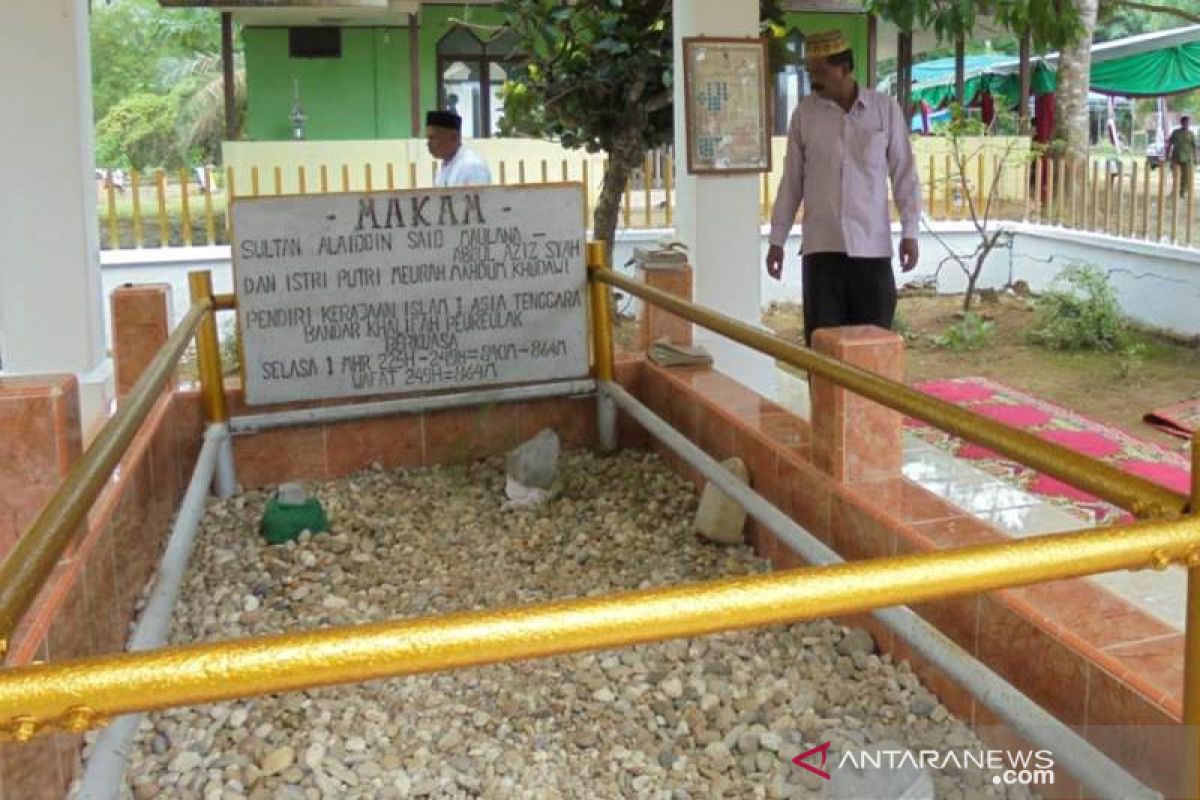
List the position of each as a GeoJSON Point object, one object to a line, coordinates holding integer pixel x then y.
{"type": "Point", "coordinates": [838, 163]}
{"type": "Point", "coordinates": [465, 169]}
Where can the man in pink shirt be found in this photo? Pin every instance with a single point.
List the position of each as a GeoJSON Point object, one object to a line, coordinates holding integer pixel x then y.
{"type": "Point", "coordinates": [844, 142]}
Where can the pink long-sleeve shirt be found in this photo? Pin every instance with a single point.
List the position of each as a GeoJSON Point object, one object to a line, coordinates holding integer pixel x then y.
{"type": "Point", "coordinates": [838, 164]}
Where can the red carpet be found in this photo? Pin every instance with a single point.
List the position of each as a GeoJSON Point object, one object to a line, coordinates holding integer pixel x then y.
{"type": "Point", "coordinates": [1181, 419]}
{"type": "Point", "coordinates": [1057, 424]}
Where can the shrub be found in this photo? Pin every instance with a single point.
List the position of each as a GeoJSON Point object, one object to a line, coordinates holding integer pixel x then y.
{"type": "Point", "coordinates": [972, 332]}
{"type": "Point", "coordinates": [138, 132]}
{"type": "Point", "coordinates": [1080, 312]}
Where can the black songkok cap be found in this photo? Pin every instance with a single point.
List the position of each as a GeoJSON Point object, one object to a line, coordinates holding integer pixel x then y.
{"type": "Point", "coordinates": [444, 119]}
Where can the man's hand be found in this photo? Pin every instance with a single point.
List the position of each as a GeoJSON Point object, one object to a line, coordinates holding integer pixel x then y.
{"type": "Point", "coordinates": [775, 262]}
{"type": "Point", "coordinates": [909, 254]}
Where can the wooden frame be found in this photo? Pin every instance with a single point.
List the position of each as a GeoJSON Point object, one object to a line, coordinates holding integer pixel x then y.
{"type": "Point", "coordinates": [702, 157]}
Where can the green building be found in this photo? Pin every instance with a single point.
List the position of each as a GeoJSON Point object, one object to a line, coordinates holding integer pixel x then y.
{"type": "Point", "coordinates": [368, 69]}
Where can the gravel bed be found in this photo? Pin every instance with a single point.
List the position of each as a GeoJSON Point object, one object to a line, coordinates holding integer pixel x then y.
{"type": "Point", "coordinates": [714, 717]}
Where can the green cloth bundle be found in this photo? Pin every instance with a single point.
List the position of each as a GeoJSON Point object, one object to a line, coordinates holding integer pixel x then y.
{"type": "Point", "coordinates": [291, 512]}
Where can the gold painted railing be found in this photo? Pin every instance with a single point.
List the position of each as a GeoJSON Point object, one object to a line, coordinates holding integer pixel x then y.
{"type": "Point", "coordinates": [78, 694]}
{"type": "Point", "coordinates": [35, 554]}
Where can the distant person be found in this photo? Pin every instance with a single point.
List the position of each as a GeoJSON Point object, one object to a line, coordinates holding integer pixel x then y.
{"type": "Point", "coordinates": [843, 143]}
{"type": "Point", "coordinates": [460, 166]}
{"type": "Point", "coordinates": [1181, 155]}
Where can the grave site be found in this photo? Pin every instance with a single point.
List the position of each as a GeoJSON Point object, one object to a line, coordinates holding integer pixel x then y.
{"type": "Point", "coordinates": [433, 537]}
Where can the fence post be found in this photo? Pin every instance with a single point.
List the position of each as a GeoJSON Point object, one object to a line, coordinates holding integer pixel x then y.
{"type": "Point", "coordinates": [391, 176]}
{"type": "Point", "coordinates": [1115, 211]}
{"type": "Point", "coordinates": [345, 177]}
{"type": "Point", "coordinates": [135, 186]}
{"type": "Point", "coordinates": [114, 235]}
{"type": "Point", "coordinates": [278, 175]}
{"type": "Point", "coordinates": [1133, 200]}
{"type": "Point", "coordinates": [368, 183]}
{"type": "Point", "coordinates": [185, 211]}
{"type": "Point", "coordinates": [1175, 171]}
{"type": "Point", "coordinates": [210, 224]}
{"type": "Point", "coordinates": [668, 177]}
{"type": "Point", "coordinates": [647, 184]}
{"type": "Point", "coordinates": [929, 196]}
{"type": "Point", "coordinates": [947, 190]}
{"type": "Point", "coordinates": [301, 183]}
{"type": "Point", "coordinates": [254, 181]}
{"type": "Point", "coordinates": [164, 226]}
{"type": "Point", "coordinates": [1146, 202]}
{"type": "Point", "coordinates": [229, 195]}
{"type": "Point", "coordinates": [1094, 223]}
{"type": "Point", "coordinates": [1162, 182]}
{"type": "Point", "coordinates": [1051, 188]}
{"type": "Point", "coordinates": [1188, 210]}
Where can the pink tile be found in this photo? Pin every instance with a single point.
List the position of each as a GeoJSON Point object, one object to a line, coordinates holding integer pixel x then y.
{"type": "Point", "coordinates": [141, 322]}
{"type": "Point", "coordinates": [855, 439]}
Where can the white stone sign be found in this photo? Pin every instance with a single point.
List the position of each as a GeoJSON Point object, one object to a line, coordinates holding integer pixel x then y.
{"type": "Point", "coordinates": [411, 291]}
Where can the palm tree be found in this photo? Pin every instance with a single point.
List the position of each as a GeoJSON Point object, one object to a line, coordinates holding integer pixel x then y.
{"type": "Point", "coordinates": [202, 110]}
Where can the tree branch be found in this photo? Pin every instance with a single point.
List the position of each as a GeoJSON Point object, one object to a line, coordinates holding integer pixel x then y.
{"type": "Point", "coordinates": [1158, 8]}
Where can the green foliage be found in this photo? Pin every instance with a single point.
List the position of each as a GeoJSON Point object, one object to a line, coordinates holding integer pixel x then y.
{"type": "Point", "coordinates": [139, 132]}
{"type": "Point", "coordinates": [948, 19]}
{"type": "Point", "coordinates": [972, 332]}
{"type": "Point", "coordinates": [139, 50]}
{"type": "Point", "coordinates": [599, 75]}
{"type": "Point", "coordinates": [1081, 312]}
{"type": "Point", "coordinates": [230, 349]}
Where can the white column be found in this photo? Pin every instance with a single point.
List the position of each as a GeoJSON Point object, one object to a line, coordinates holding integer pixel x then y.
{"type": "Point", "coordinates": [50, 303]}
{"type": "Point", "coordinates": [717, 216]}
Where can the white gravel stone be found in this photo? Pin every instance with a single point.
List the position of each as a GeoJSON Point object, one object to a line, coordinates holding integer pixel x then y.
{"type": "Point", "coordinates": [277, 761]}
{"type": "Point", "coordinates": [714, 717]}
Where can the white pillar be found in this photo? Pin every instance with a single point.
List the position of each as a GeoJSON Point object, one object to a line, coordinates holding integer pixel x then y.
{"type": "Point", "coordinates": [717, 215]}
{"type": "Point", "coordinates": [50, 302]}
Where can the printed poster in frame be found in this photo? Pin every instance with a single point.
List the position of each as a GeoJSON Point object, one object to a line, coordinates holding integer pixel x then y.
{"type": "Point", "coordinates": [727, 105]}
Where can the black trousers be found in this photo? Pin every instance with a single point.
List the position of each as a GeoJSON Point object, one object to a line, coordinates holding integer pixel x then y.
{"type": "Point", "coordinates": [840, 290]}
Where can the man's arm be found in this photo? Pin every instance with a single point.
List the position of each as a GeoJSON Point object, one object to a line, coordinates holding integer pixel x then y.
{"type": "Point", "coordinates": [791, 186]}
{"type": "Point", "coordinates": [902, 168]}
{"type": "Point", "coordinates": [906, 185]}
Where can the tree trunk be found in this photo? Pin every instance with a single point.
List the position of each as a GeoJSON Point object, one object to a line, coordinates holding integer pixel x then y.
{"type": "Point", "coordinates": [626, 154]}
{"type": "Point", "coordinates": [1026, 81]}
{"type": "Point", "coordinates": [904, 59]}
{"type": "Point", "coordinates": [1074, 68]}
{"type": "Point", "coordinates": [960, 72]}
{"type": "Point", "coordinates": [227, 78]}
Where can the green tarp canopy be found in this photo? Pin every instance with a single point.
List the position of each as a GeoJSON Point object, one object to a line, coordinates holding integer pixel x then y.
{"type": "Point", "coordinates": [1159, 72]}
{"type": "Point", "coordinates": [1148, 65]}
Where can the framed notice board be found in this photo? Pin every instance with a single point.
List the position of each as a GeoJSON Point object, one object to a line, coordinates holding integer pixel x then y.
{"type": "Point", "coordinates": [727, 105]}
{"type": "Point", "coordinates": [370, 293]}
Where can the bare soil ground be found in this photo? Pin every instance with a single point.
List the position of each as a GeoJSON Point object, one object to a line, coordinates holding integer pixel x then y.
{"type": "Point", "coordinates": [1103, 386]}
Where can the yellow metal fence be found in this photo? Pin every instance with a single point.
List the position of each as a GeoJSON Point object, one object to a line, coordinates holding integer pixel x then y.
{"type": "Point", "coordinates": [1118, 197]}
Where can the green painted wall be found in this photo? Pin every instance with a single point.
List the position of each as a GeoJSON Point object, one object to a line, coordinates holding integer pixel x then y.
{"type": "Point", "coordinates": [365, 94]}
{"type": "Point", "coordinates": [436, 22]}
{"type": "Point", "coordinates": [852, 26]}
{"type": "Point", "coordinates": [362, 95]}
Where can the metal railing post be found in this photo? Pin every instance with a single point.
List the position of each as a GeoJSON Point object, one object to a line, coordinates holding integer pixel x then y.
{"type": "Point", "coordinates": [602, 345]}
{"type": "Point", "coordinates": [1191, 647]}
{"type": "Point", "coordinates": [212, 379]}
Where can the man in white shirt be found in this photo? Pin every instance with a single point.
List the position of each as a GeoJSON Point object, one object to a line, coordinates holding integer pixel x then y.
{"type": "Point", "coordinates": [844, 142]}
{"type": "Point", "coordinates": [460, 166]}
